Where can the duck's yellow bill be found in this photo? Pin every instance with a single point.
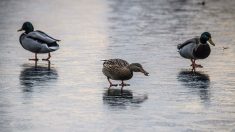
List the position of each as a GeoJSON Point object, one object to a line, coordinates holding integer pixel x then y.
{"type": "Point", "coordinates": [211, 42]}
{"type": "Point", "coordinates": [20, 30]}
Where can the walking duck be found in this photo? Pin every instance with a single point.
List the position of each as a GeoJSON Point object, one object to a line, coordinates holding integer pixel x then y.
{"type": "Point", "coordinates": [196, 48]}
{"type": "Point", "coordinates": [37, 41]}
{"type": "Point", "coordinates": [118, 69]}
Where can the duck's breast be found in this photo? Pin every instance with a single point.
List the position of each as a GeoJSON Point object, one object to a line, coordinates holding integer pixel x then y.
{"type": "Point", "coordinates": [202, 52]}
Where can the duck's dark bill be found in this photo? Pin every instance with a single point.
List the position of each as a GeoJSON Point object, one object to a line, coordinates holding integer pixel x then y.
{"type": "Point", "coordinates": [146, 73]}
{"type": "Point", "coordinates": [19, 30]}
{"type": "Point", "coordinates": [211, 42]}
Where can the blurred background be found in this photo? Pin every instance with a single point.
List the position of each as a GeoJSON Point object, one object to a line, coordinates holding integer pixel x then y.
{"type": "Point", "coordinates": [73, 95]}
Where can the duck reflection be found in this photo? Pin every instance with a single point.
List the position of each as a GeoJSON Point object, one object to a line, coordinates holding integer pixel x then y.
{"type": "Point", "coordinates": [119, 97]}
{"type": "Point", "coordinates": [196, 80]}
{"type": "Point", "coordinates": [48, 64]}
{"type": "Point", "coordinates": [32, 76]}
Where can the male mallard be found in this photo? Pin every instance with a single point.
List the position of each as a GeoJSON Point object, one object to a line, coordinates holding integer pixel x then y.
{"type": "Point", "coordinates": [118, 69]}
{"type": "Point", "coordinates": [37, 41]}
{"type": "Point", "coordinates": [196, 48]}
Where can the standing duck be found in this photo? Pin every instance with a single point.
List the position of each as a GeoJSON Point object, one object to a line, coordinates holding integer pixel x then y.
{"type": "Point", "coordinates": [37, 41]}
{"type": "Point", "coordinates": [118, 69]}
{"type": "Point", "coordinates": [196, 48]}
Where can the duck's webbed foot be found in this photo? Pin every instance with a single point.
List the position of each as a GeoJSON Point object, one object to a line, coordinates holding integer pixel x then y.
{"type": "Point", "coordinates": [47, 59]}
{"type": "Point", "coordinates": [115, 85]}
{"type": "Point", "coordinates": [111, 83]}
{"type": "Point", "coordinates": [124, 84]}
{"type": "Point", "coordinates": [34, 59]}
{"type": "Point", "coordinates": [196, 65]}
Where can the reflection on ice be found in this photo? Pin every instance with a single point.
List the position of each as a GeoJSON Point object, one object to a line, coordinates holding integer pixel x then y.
{"type": "Point", "coordinates": [36, 76]}
{"type": "Point", "coordinates": [196, 80]}
{"type": "Point", "coordinates": [118, 97]}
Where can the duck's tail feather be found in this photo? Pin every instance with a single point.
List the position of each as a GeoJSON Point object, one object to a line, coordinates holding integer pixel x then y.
{"type": "Point", "coordinates": [53, 46]}
{"type": "Point", "coordinates": [179, 46]}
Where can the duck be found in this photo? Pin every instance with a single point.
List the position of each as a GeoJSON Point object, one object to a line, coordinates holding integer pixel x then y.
{"type": "Point", "coordinates": [196, 48]}
{"type": "Point", "coordinates": [37, 41]}
{"type": "Point", "coordinates": [119, 69]}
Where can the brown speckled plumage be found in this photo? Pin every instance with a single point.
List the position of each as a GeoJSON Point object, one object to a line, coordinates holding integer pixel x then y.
{"type": "Point", "coordinates": [118, 69]}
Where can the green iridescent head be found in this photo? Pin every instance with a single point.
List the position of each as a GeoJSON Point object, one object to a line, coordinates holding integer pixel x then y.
{"type": "Point", "coordinates": [206, 37]}
{"type": "Point", "coordinates": [27, 27]}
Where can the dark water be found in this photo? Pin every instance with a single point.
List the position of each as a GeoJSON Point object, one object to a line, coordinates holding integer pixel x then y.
{"type": "Point", "coordinates": [73, 95]}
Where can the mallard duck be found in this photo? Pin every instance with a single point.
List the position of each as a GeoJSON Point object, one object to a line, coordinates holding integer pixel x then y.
{"type": "Point", "coordinates": [37, 41]}
{"type": "Point", "coordinates": [196, 48]}
{"type": "Point", "coordinates": [118, 69]}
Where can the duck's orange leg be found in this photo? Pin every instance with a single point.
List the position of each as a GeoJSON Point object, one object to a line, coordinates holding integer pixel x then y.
{"type": "Point", "coordinates": [194, 65]}
{"type": "Point", "coordinates": [111, 83]}
{"type": "Point", "coordinates": [49, 56]}
{"type": "Point", "coordinates": [35, 59]}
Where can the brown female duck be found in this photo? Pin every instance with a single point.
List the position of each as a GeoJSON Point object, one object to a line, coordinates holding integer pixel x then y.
{"type": "Point", "coordinates": [118, 69]}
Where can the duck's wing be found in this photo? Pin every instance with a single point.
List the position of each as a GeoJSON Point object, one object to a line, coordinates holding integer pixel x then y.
{"type": "Point", "coordinates": [116, 69]}
{"type": "Point", "coordinates": [190, 41]}
{"type": "Point", "coordinates": [41, 37]}
{"type": "Point", "coordinates": [46, 35]}
{"type": "Point", "coordinates": [115, 63]}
